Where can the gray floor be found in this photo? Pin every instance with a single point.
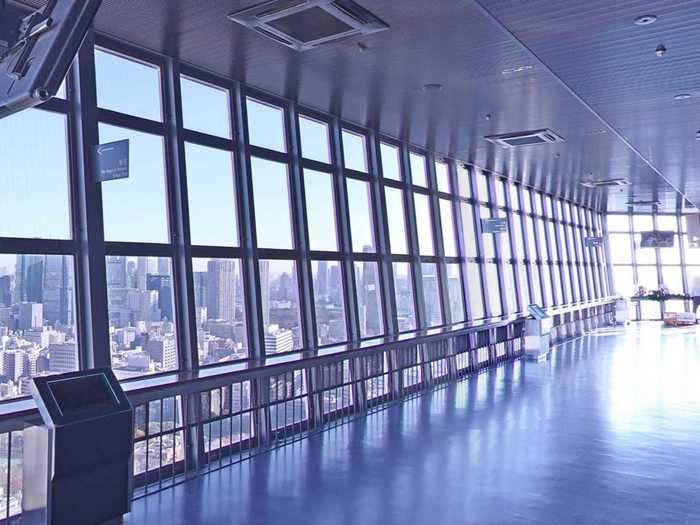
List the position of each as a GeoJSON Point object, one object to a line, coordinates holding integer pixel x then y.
{"type": "Point", "coordinates": [606, 432]}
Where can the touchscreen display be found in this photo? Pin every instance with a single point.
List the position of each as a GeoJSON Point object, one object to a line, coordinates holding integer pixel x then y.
{"type": "Point", "coordinates": [83, 393]}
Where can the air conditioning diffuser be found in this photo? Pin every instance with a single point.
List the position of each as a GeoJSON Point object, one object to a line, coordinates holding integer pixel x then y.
{"type": "Point", "coordinates": [605, 183]}
{"type": "Point", "coordinates": [525, 138]}
{"type": "Point", "coordinates": [306, 24]}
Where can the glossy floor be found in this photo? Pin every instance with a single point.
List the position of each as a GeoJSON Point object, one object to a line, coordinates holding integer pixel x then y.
{"type": "Point", "coordinates": [606, 432]}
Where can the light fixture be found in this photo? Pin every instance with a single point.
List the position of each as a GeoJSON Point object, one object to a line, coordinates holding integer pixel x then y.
{"type": "Point", "coordinates": [683, 96]}
{"type": "Point", "coordinates": [697, 136]}
{"type": "Point", "coordinates": [434, 86]}
{"type": "Point", "coordinates": [645, 20]}
{"type": "Point", "coordinates": [516, 69]}
{"type": "Point", "coordinates": [660, 50]}
{"type": "Point", "coordinates": [599, 132]}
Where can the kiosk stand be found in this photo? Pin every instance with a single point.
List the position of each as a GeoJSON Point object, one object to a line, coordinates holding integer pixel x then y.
{"type": "Point", "coordinates": [537, 332]}
{"type": "Point", "coordinates": [78, 464]}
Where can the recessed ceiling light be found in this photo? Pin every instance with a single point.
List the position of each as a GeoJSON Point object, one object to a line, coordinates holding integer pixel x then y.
{"type": "Point", "coordinates": [683, 96]}
{"type": "Point", "coordinates": [599, 132]}
{"type": "Point", "coordinates": [432, 87]}
{"type": "Point", "coordinates": [516, 69]}
{"type": "Point", "coordinates": [645, 20]}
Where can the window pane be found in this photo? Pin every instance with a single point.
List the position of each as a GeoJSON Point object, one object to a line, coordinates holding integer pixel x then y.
{"type": "Point", "coordinates": [320, 210]}
{"type": "Point", "coordinates": [500, 193]}
{"type": "Point", "coordinates": [518, 237]}
{"type": "Point", "coordinates": [354, 151]}
{"type": "Point", "coordinates": [220, 310]}
{"type": "Point", "coordinates": [127, 86]}
{"type": "Point", "coordinates": [463, 182]}
{"type": "Point", "coordinates": [397, 221]}
{"type": "Point", "coordinates": [329, 301]}
{"type": "Point", "coordinates": [419, 176]}
{"type": "Point", "coordinates": [488, 239]}
{"type": "Point", "coordinates": [494, 297]}
{"type": "Point", "coordinates": [424, 224]}
{"type": "Point", "coordinates": [369, 302]}
{"type": "Point", "coordinates": [536, 295]}
{"type": "Point", "coordinates": [265, 125]}
{"type": "Point", "coordinates": [456, 293]}
{"type": "Point", "coordinates": [314, 139]}
{"type": "Point", "coordinates": [538, 203]}
{"type": "Point", "coordinates": [442, 175]}
{"type": "Point", "coordinates": [205, 108]}
{"type": "Point", "coordinates": [670, 255]}
{"type": "Point", "coordinates": [642, 223]}
{"type": "Point", "coordinates": [273, 221]}
{"type": "Point", "coordinates": [524, 289]}
{"type": "Point", "coordinates": [644, 255]}
{"type": "Point", "coordinates": [618, 223]}
{"type": "Point", "coordinates": [405, 305]}
{"type": "Point", "coordinates": [482, 186]}
{"type": "Point", "coordinates": [624, 280]}
{"type": "Point", "coordinates": [279, 295]}
{"type": "Point", "coordinates": [666, 223]}
{"type": "Point", "coordinates": [35, 201]}
{"type": "Point", "coordinates": [509, 284]}
{"type": "Point", "coordinates": [673, 279]}
{"type": "Point", "coordinates": [141, 315]}
{"type": "Point", "coordinates": [211, 194]}
{"type": "Point", "coordinates": [470, 244]}
{"type": "Point", "coordinates": [547, 284]}
{"type": "Point", "coordinates": [692, 255]}
{"type": "Point", "coordinates": [620, 252]}
{"type": "Point", "coordinates": [360, 207]}
{"type": "Point", "coordinates": [514, 197]}
{"type": "Point", "coordinates": [527, 200]}
{"type": "Point", "coordinates": [135, 209]}
{"type": "Point", "coordinates": [431, 294]}
{"type": "Point", "coordinates": [390, 161]}
{"type": "Point", "coordinates": [37, 319]}
{"type": "Point", "coordinates": [448, 228]}
{"type": "Point", "coordinates": [476, 303]}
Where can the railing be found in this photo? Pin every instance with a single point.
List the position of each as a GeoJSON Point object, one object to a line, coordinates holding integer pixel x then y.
{"type": "Point", "coordinates": [189, 425]}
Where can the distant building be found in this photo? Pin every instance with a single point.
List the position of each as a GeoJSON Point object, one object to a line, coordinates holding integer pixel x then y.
{"type": "Point", "coordinates": [63, 358]}
{"type": "Point", "coordinates": [221, 289]}
{"type": "Point", "coordinates": [31, 315]}
{"type": "Point", "coordinates": [278, 341]}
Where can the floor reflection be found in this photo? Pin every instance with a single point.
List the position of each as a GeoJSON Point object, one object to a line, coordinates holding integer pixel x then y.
{"type": "Point", "coordinates": [604, 432]}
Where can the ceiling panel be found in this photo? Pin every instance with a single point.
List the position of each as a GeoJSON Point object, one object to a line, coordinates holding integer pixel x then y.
{"type": "Point", "coordinates": [466, 46]}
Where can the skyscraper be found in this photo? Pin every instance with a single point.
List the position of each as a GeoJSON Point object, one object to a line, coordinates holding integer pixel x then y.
{"type": "Point", "coordinates": [200, 288]}
{"type": "Point", "coordinates": [58, 290]}
{"type": "Point", "coordinates": [5, 290]}
{"type": "Point", "coordinates": [370, 317]}
{"type": "Point", "coordinates": [163, 285]}
{"type": "Point", "coordinates": [116, 271]}
{"type": "Point", "coordinates": [29, 275]}
{"type": "Point", "coordinates": [221, 289]}
{"type": "Point", "coordinates": [265, 291]}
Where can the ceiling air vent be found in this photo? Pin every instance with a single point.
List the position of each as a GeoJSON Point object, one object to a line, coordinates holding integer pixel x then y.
{"type": "Point", "coordinates": [642, 202]}
{"type": "Point", "coordinates": [525, 138]}
{"type": "Point", "coordinates": [306, 24]}
{"type": "Point", "coordinates": [605, 183]}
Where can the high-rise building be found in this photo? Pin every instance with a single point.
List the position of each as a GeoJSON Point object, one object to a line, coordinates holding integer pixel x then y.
{"type": "Point", "coordinates": [322, 279]}
{"type": "Point", "coordinates": [63, 358]}
{"type": "Point", "coordinates": [58, 290]}
{"type": "Point", "coordinates": [31, 316]}
{"type": "Point", "coordinates": [163, 284]}
{"type": "Point", "coordinates": [278, 341]}
{"type": "Point", "coordinates": [116, 271]}
{"type": "Point", "coordinates": [221, 289]}
{"type": "Point", "coordinates": [200, 288]}
{"type": "Point", "coordinates": [29, 276]}
{"type": "Point", "coordinates": [5, 290]}
{"type": "Point", "coordinates": [265, 291]}
{"type": "Point", "coordinates": [370, 317]}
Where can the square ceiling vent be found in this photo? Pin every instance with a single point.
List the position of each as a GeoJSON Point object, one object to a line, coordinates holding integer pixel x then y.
{"type": "Point", "coordinates": [306, 24]}
{"type": "Point", "coordinates": [525, 138]}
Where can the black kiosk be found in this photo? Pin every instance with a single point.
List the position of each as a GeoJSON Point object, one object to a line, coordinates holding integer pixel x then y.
{"type": "Point", "coordinates": [78, 464]}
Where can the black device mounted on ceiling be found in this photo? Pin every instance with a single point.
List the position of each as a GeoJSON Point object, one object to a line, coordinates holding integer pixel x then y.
{"type": "Point", "coordinates": [37, 48]}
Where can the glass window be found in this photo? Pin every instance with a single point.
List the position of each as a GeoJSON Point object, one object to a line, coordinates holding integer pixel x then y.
{"type": "Point", "coordinates": [127, 86]}
{"type": "Point", "coordinates": [547, 284]}
{"type": "Point", "coordinates": [470, 244]}
{"type": "Point", "coordinates": [514, 197]}
{"type": "Point", "coordinates": [644, 255]}
{"type": "Point", "coordinates": [518, 236]}
{"type": "Point", "coordinates": [265, 125]}
{"type": "Point", "coordinates": [549, 207]}
{"type": "Point", "coordinates": [273, 222]}
{"type": "Point", "coordinates": [670, 255]}
{"type": "Point", "coordinates": [448, 228]}
{"type": "Point", "coordinates": [455, 292]}
{"type": "Point", "coordinates": [500, 193]}
{"type": "Point", "coordinates": [673, 279]}
{"type": "Point", "coordinates": [666, 223]}
{"type": "Point", "coordinates": [354, 151]}
{"type": "Point", "coordinates": [524, 289]}
{"type": "Point", "coordinates": [211, 194]}
{"type": "Point", "coordinates": [488, 239]}
{"type": "Point", "coordinates": [424, 224]}
{"type": "Point", "coordinates": [648, 277]}
{"type": "Point", "coordinates": [220, 310]}
{"type": "Point", "coordinates": [431, 294]}
{"type": "Point", "coordinates": [205, 108]}
{"type": "Point", "coordinates": [141, 309]}
{"type": "Point", "coordinates": [37, 319]}
{"type": "Point", "coordinates": [693, 277]}
{"type": "Point", "coordinates": [314, 139]}
{"type": "Point", "coordinates": [538, 203]}
{"type": "Point", "coordinates": [476, 302]}
{"type": "Point", "coordinates": [620, 252]}
{"type": "Point", "coordinates": [463, 185]}
{"type": "Point", "coordinates": [329, 301]}
{"type": "Point", "coordinates": [390, 161]}
{"type": "Point", "coordinates": [442, 174]}
{"type": "Point", "coordinates": [624, 280]}
{"type": "Point", "coordinates": [642, 223]}
{"type": "Point", "coordinates": [509, 287]}
{"type": "Point", "coordinates": [320, 210]}
{"type": "Point", "coordinates": [135, 209]}
{"type": "Point", "coordinates": [360, 207]}
{"type": "Point", "coordinates": [527, 200]}
{"type": "Point", "coordinates": [482, 186]}
{"type": "Point", "coordinates": [369, 301]}
{"type": "Point", "coordinates": [618, 223]}
{"type": "Point", "coordinates": [692, 255]}
{"type": "Point", "coordinates": [419, 175]}
{"type": "Point", "coordinates": [35, 197]}
{"type": "Point", "coordinates": [536, 295]}
{"type": "Point", "coordinates": [494, 296]}
{"type": "Point", "coordinates": [405, 305]}
{"type": "Point", "coordinates": [279, 295]}
{"type": "Point", "coordinates": [397, 221]}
